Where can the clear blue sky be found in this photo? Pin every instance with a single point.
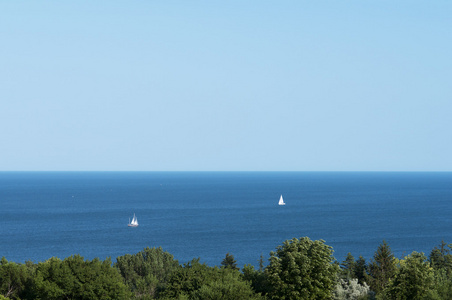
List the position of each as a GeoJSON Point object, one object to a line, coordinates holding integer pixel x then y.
{"type": "Point", "coordinates": [226, 85]}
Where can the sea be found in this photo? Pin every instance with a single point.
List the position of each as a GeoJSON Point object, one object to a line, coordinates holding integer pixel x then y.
{"type": "Point", "coordinates": [206, 215]}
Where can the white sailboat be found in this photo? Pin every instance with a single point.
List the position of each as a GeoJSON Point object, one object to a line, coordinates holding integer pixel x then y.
{"type": "Point", "coordinates": [134, 222]}
{"type": "Point", "coordinates": [281, 201]}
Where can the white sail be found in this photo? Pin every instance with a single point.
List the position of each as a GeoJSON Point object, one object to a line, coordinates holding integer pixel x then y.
{"type": "Point", "coordinates": [134, 222]}
{"type": "Point", "coordinates": [281, 201]}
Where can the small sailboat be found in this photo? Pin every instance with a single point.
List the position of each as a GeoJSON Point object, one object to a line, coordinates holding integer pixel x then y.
{"type": "Point", "coordinates": [281, 201]}
{"type": "Point", "coordinates": [134, 222]}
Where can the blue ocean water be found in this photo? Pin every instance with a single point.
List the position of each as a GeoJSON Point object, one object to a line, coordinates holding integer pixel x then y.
{"type": "Point", "coordinates": [208, 214]}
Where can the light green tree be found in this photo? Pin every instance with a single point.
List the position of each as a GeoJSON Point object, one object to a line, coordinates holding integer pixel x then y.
{"type": "Point", "coordinates": [443, 285]}
{"type": "Point", "coordinates": [147, 272]}
{"type": "Point", "coordinates": [302, 269]}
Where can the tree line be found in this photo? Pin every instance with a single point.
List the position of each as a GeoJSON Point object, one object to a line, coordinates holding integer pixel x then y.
{"type": "Point", "coordinates": [300, 268]}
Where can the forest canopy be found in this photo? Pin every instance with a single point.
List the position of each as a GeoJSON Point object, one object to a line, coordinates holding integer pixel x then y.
{"type": "Point", "coordinates": [299, 268]}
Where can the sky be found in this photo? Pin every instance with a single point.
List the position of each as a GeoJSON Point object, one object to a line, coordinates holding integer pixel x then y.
{"type": "Point", "coordinates": [226, 85]}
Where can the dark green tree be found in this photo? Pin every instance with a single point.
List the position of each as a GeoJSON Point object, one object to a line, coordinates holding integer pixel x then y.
{"type": "Point", "coordinates": [302, 269]}
{"type": "Point", "coordinates": [257, 279]}
{"type": "Point", "coordinates": [187, 279]}
{"type": "Point", "coordinates": [75, 278]}
{"type": "Point", "coordinates": [229, 285]}
{"type": "Point", "coordinates": [441, 258]}
{"type": "Point", "coordinates": [413, 280]}
{"type": "Point", "coordinates": [261, 263]}
{"type": "Point", "coordinates": [147, 272]}
{"type": "Point", "coordinates": [360, 271]}
{"type": "Point", "coordinates": [199, 281]}
{"type": "Point", "coordinates": [381, 268]}
{"type": "Point", "coordinates": [229, 262]}
{"type": "Point", "coordinates": [348, 267]}
{"type": "Point", "coordinates": [13, 279]}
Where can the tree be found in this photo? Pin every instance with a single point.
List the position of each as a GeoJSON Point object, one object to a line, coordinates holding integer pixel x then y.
{"type": "Point", "coordinates": [443, 285]}
{"type": "Point", "coordinates": [441, 261]}
{"type": "Point", "coordinates": [348, 267]}
{"type": "Point", "coordinates": [413, 280]}
{"type": "Point", "coordinates": [228, 286]}
{"type": "Point", "coordinates": [187, 279]}
{"type": "Point", "coordinates": [199, 281]}
{"type": "Point", "coordinates": [13, 279]}
{"type": "Point", "coordinates": [75, 278]}
{"type": "Point", "coordinates": [302, 269]}
{"type": "Point", "coordinates": [261, 263]}
{"type": "Point", "coordinates": [441, 257]}
{"type": "Point", "coordinates": [147, 272]}
{"type": "Point", "coordinates": [360, 271]}
{"type": "Point", "coordinates": [257, 278]}
{"type": "Point", "coordinates": [229, 262]}
{"type": "Point", "coordinates": [381, 268]}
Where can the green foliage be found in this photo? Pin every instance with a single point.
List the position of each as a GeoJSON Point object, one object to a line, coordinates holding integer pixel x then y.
{"type": "Point", "coordinates": [348, 267]}
{"type": "Point", "coordinates": [147, 272]}
{"type": "Point", "coordinates": [75, 278]}
{"type": "Point", "coordinates": [13, 279]}
{"type": "Point", "coordinates": [187, 279]}
{"type": "Point", "coordinates": [257, 278]}
{"type": "Point", "coordinates": [261, 263]}
{"type": "Point", "coordinates": [199, 281]}
{"type": "Point", "coordinates": [381, 268]}
{"type": "Point", "coordinates": [229, 262]}
{"type": "Point", "coordinates": [414, 279]}
{"type": "Point", "coordinates": [302, 269]}
{"type": "Point", "coordinates": [360, 270]}
{"type": "Point", "coordinates": [298, 269]}
{"type": "Point", "coordinates": [442, 284]}
{"type": "Point", "coordinates": [441, 258]}
{"type": "Point", "coordinates": [441, 261]}
{"type": "Point", "coordinates": [228, 286]}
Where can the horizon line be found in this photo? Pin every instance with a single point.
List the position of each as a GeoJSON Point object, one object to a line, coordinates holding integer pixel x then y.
{"type": "Point", "coordinates": [222, 171]}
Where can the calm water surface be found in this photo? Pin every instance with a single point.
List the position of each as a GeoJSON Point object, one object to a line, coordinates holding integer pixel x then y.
{"type": "Point", "coordinates": [206, 215]}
